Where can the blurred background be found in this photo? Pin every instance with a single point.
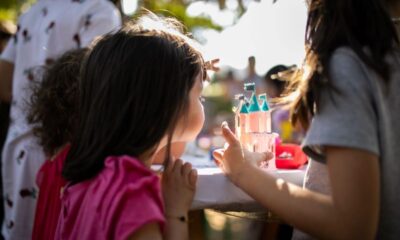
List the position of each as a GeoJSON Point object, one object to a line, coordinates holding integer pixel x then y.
{"type": "Point", "coordinates": [251, 38]}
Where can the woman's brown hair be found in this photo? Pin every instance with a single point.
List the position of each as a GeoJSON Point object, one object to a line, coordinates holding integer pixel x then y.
{"type": "Point", "coordinates": [364, 26]}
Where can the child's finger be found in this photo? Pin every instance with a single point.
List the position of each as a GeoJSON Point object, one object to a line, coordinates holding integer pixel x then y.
{"type": "Point", "coordinates": [169, 165]}
{"type": "Point", "coordinates": [177, 166]}
{"type": "Point", "coordinates": [193, 177]}
{"type": "Point", "coordinates": [228, 135]}
{"type": "Point", "coordinates": [187, 167]}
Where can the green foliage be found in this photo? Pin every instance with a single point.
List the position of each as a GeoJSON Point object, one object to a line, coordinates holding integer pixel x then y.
{"type": "Point", "coordinates": [8, 14]}
{"type": "Point", "coordinates": [7, 4]}
{"type": "Point", "coordinates": [10, 9]}
{"type": "Point", "coordinates": [177, 9]}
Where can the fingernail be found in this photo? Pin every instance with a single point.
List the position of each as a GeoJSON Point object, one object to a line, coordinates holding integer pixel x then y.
{"type": "Point", "coordinates": [226, 145]}
{"type": "Point", "coordinates": [224, 124]}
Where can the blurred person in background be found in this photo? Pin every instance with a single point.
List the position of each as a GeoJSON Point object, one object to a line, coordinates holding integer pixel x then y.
{"type": "Point", "coordinates": [275, 82]}
{"type": "Point", "coordinates": [252, 75]}
{"type": "Point", "coordinates": [347, 100]}
{"type": "Point", "coordinates": [7, 29]}
{"type": "Point", "coordinates": [45, 32]}
{"type": "Point", "coordinates": [231, 84]}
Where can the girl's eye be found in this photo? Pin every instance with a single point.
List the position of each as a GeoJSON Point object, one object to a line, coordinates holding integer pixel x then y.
{"type": "Point", "coordinates": [202, 99]}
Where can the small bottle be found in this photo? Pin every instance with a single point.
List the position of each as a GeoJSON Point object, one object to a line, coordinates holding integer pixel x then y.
{"type": "Point", "coordinates": [244, 122]}
{"type": "Point", "coordinates": [241, 116]}
{"type": "Point", "coordinates": [254, 109]}
{"type": "Point", "coordinates": [265, 125]}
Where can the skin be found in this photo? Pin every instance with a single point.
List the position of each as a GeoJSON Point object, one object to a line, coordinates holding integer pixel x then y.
{"type": "Point", "coordinates": [177, 149]}
{"type": "Point", "coordinates": [350, 212]}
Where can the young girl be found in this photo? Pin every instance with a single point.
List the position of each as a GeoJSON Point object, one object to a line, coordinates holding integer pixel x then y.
{"type": "Point", "coordinates": [140, 91]}
{"type": "Point", "coordinates": [53, 111]}
{"type": "Point", "coordinates": [350, 105]}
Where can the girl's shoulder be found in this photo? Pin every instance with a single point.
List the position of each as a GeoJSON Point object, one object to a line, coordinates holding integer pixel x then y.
{"type": "Point", "coordinates": [347, 55]}
{"type": "Point", "coordinates": [121, 175]}
{"type": "Point", "coordinates": [348, 73]}
{"type": "Point", "coordinates": [344, 55]}
{"type": "Point", "coordinates": [118, 201]}
{"type": "Point", "coordinates": [348, 70]}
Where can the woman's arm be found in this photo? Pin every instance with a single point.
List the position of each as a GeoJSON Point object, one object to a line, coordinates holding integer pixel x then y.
{"type": "Point", "coordinates": [350, 213]}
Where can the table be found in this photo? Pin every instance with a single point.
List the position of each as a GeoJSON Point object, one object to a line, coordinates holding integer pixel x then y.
{"type": "Point", "coordinates": [215, 191]}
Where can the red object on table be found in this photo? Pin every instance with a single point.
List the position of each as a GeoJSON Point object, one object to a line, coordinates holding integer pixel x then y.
{"type": "Point", "coordinates": [289, 156]}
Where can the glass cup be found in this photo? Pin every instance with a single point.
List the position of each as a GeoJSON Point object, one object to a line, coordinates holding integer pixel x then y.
{"type": "Point", "coordinates": [262, 142]}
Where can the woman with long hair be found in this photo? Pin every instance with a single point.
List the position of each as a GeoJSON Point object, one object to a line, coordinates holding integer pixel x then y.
{"type": "Point", "coordinates": [347, 99]}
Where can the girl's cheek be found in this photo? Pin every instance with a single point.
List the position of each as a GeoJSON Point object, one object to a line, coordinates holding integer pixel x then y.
{"type": "Point", "coordinates": [197, 119]}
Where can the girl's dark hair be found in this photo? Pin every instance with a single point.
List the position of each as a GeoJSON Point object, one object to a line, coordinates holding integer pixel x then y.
{"type": "Point", "coordinates": [357, 24]}
{"type": "Point", "coordinates": [53, 105]}
{"type": "Point", "coordinates": [135, 86]}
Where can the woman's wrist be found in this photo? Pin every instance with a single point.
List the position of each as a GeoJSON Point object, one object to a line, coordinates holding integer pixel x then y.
{"type": "Point", "coordinates": [239, 177]}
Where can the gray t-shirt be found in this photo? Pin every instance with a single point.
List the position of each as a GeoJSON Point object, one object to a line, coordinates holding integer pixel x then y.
{"type": "Point", "coordinates": [363, 115]}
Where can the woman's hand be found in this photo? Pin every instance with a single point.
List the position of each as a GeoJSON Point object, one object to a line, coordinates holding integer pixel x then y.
{"type": "Point", "coordinates": [234, 160]}
{"type": "Point", "coordinates": [178, 187]}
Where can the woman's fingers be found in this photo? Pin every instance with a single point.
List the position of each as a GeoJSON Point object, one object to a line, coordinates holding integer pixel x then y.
{"type": "Point", "coordinates": [263, 157]}
{"type": "Point", "coordinates": [218, 154]}
{"type": "Point", "coordinates": [268, 156]}
{"type": "Point", "coordinates": [229, 135]}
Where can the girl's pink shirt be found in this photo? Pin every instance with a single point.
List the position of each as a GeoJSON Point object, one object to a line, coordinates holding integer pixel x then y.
{"type": "Point", "coordinates": [123, 197]}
